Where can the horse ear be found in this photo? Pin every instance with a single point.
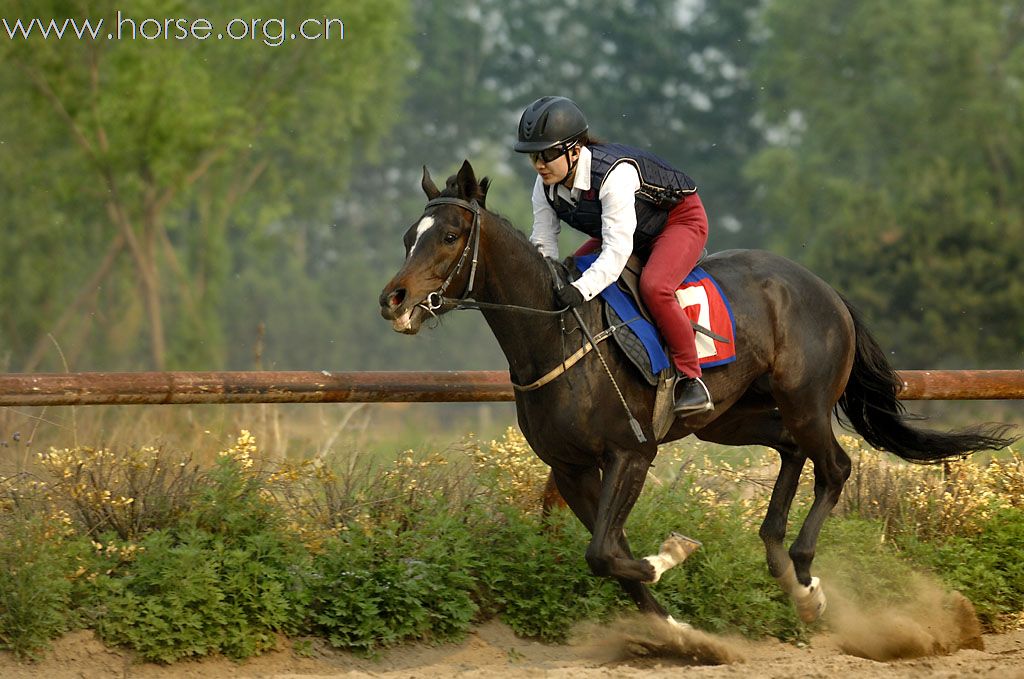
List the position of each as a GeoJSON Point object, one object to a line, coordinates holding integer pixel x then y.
{"type": "Point", "coordinates": [485, 184]}
{"type": "Point", "coordinates": [428, 185]}
{"type": "Point", "coordinates": [466, 182]}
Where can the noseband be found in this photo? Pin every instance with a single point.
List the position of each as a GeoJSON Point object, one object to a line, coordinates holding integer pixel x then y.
{"type": "Point", "coordinates": [436, 299]}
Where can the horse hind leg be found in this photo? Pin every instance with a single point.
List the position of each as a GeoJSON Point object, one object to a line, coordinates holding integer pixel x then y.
{"type": "Point", "coordinates": [808, 598]}
{"type": "Point", "coordinates": [831, 470]}
{"type": "Point", "coordinates": [808, 419]}
{"type": "Point", "coordinates": [765, 427]}
{"type": "Point", "coordinates": [674, 550]}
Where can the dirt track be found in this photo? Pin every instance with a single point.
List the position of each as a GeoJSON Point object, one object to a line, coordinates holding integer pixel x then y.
{"type": "Point", "coordinates": [492, 651]}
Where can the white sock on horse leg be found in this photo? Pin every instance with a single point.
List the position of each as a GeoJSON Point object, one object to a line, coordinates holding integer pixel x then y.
{"type": "Point", "coordinates": [674, 551]}
{"type": "Point", "coordinates": [809, 599]}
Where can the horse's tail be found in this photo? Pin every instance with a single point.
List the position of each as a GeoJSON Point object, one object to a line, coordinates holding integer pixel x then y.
{"type": "Point", "coordinates": [873, 410]}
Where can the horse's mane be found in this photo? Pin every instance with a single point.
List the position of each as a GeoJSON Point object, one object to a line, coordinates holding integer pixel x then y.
{"type": "Point", "coordinates": [451, 190]}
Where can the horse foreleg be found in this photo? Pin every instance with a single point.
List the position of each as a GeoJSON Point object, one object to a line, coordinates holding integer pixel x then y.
{"type": "Point", "coordinates": [674, 550]}
{"type": "Point", "coordinates": [622, 480]}
{"type": "Point", "coordinates": [609, 553]}
{"type": "Point", "coordinates": [581, 489]}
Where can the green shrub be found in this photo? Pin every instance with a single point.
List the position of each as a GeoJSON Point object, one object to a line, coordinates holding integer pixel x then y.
{"type": "Point", "coordinates": [399, 581]}
{"type": "Point", "coordinates": [423, 548]}
{"type": "Point", "coordinates": [224, 581]}
{"type": "Point", "coordinates": [36, 564]}
{"type": "Point", "coordinates": [987, 567]}
{"type": "Point", "coordinates": [539, 581]}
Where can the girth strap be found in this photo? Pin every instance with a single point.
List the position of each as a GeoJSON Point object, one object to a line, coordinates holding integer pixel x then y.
{"type": "Point", "coordinates": [568, 362]}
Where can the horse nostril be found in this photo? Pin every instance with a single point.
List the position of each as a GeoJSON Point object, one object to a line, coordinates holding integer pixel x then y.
{"type": "Point", "coordinates": [396, 297]}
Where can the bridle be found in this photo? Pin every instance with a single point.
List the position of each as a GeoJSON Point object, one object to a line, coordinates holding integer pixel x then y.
{"type": "Point", "coordinates": [435, 300]}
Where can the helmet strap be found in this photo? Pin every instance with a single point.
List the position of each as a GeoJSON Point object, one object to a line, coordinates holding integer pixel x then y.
{"type": "Point", "coordinates": [571, 172]}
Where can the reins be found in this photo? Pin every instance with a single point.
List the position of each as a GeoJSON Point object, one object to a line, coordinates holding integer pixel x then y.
{"type": "Point", "coordinates": [436, 300]}
{"type": "Point", "coordinates": [556, 282]}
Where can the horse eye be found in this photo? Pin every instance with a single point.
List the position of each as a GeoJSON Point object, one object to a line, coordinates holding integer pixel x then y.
{"type": "Point", "coordinates": [450, 238]}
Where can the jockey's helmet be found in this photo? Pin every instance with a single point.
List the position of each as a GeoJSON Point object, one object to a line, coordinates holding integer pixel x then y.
{"type": "Point", "coordinates": [548, 122]}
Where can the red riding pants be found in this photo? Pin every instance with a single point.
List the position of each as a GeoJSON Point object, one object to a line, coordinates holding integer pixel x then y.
{"type": "Point", "coordinates": [674, 253]}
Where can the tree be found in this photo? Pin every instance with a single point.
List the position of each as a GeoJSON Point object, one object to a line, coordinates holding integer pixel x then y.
{"type": "Point", "coordinates": [131, 164]}
{"type": "Point", "coordinates": [668, 75]}
{"type": "Point", "coordinates": [899, 149]}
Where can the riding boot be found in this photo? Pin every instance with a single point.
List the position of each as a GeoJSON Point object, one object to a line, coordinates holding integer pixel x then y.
{"type": "Point", "coordinates": [692, 397]}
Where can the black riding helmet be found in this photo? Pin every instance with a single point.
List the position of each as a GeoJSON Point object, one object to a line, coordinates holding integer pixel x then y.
{"type": "Point", "coordinates": [548, 122]}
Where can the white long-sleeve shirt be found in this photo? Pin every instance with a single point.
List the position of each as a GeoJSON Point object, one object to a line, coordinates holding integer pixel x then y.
{"type": "Point", "coordinates": [618, 221]}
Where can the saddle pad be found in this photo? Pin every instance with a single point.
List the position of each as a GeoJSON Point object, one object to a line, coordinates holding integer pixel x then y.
{"type": "Point", "coordinates": [635, 349]}
{"type": "Point", "coordinates": [703, 302]}
{"type": "Point", "coordinates": [626, 309]}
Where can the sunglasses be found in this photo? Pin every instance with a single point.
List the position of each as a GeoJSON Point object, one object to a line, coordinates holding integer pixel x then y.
{"type": "Point", "coordinates": [550, 155]}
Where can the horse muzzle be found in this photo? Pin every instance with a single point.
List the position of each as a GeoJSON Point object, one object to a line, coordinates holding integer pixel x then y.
{"type": "Point", "coordinates": [405, 318]}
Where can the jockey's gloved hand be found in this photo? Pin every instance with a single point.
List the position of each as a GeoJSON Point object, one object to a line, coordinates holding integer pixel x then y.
{"type": "Point", "coordinates": [569, 296]}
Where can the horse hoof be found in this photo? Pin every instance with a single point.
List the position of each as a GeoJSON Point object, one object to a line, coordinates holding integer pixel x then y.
{"type": "Point", "coordinates": [811, 602]}
{"type": "Point", "coordinates": [678, 547]}
{"type": "Point", "coordinates": [674, 551]}
{"type": "Point", "coordinates": [678, 625]}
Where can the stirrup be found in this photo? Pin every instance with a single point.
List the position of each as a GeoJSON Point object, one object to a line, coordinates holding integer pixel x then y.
{"type": "Point", "coordinates": [686, 410]}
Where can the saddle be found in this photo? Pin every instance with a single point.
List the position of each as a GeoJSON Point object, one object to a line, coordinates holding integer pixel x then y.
{"type": "Point", "coordinates": [629, 282]}
{"type": "Point", "coordinates": [629, 322]}
{"type": "Point", "coordinates": [702, 301]}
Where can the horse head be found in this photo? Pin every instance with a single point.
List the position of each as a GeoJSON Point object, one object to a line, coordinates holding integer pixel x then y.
{"type": "Point", "coordinates": [440, 252]}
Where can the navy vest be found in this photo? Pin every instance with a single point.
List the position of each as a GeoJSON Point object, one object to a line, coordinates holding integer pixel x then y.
{"type": "Point", "coordinates": [662, 187]}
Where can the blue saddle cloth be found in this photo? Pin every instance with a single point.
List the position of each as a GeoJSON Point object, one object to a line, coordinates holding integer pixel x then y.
{"type": "Point", "coordinates": [626, 309]}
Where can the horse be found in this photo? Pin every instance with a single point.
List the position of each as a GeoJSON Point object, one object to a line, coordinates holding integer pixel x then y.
{"type": "Point", "coordinates": [803, 351]}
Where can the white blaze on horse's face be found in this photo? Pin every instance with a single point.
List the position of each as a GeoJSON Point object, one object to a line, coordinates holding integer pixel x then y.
{"type": "Point", "coordinates": [425, 224]}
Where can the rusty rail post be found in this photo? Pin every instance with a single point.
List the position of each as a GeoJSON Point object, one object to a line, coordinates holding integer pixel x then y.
{"type": "Point", "coordinates": [251, 387]}
{"type": "Point", "coordinates": [379, 387]}
{"type": "Point", "coordinates": [957, 385]}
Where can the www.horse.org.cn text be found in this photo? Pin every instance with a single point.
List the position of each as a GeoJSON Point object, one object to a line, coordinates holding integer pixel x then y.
{"type": "Point", "coordinates": [272, 32]}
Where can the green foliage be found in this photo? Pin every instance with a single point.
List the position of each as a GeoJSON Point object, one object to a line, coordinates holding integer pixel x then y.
{"type": "Point", "coordinates": [724, 586]}
{"type": "Point", "coordinates": [538, 581]}
{"type": "Point", "coordinates": [238, 194]}
{"type": "Point", "coordinates": [376, 589]}
{"type": "Point", "coordinates": [35, 590]}
{"type": "Point", "coordinates": [897, 131]}
{"type": "Point", "coordinates": [222, 581]}
{"type": "Point", "coordinates": [141, 175]}
{"type": "Point", "coordinates": [422, 549]}
{"type": "Point", "coordinates": [987, 567]}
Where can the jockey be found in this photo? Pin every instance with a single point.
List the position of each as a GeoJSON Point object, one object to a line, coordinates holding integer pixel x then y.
{"type": "Point", "coordinates": [627, 200]}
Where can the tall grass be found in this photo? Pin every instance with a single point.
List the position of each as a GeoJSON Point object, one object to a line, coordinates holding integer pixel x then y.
{"type": "Point", "coordinates": [177, 556]}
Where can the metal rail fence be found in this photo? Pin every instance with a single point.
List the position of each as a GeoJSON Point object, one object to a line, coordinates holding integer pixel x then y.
{"type": "Point", "coordinates": [63, 389]}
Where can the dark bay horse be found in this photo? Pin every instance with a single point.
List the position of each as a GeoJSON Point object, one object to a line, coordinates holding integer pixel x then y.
{"type": "Point", "coordinates": [802, 349]}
